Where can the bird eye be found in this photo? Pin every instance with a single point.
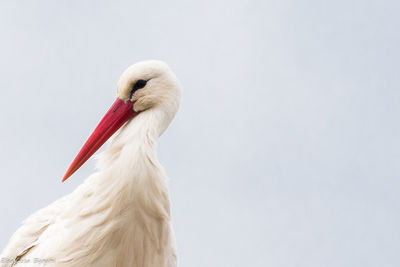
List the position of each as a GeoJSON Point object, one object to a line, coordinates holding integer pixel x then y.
{"type": "Point", "coordinates": [137, 85]}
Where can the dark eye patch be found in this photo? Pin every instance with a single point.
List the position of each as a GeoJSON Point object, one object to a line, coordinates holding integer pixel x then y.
{"type": "Point", "coordinates": [137, 85]}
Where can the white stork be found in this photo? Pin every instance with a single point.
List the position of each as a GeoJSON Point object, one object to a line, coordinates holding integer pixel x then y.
{"type": "Point", "coordinates": [120, 216]}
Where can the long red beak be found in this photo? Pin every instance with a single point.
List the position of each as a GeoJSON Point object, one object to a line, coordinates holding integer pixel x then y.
{"type": "Point", "coordinates": [119, 113]}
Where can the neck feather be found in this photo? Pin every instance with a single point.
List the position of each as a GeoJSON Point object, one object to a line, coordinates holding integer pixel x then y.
{"type": "Point", "coordinates": [129, 171]}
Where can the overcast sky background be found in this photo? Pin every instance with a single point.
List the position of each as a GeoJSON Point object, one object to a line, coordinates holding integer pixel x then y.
{"type": "Point", "coordinates": [285, 152]}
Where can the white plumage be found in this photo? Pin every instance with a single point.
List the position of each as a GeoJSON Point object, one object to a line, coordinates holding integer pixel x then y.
{"type": "Point", "coordinates": [120, 216]}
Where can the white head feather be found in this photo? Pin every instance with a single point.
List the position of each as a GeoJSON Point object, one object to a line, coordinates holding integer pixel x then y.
{"type": "Point", "coordinates": [162, 90]}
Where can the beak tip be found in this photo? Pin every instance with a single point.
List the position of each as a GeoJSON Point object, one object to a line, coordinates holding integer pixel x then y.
{"type": "Point", "coordinates": [66, 176]}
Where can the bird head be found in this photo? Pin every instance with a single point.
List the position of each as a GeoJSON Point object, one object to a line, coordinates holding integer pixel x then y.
{"type": "Point", "coordinates": [147, 85]}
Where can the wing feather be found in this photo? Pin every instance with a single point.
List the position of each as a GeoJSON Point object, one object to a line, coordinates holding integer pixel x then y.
{"type": "Point", "coordinates": [27, 236]}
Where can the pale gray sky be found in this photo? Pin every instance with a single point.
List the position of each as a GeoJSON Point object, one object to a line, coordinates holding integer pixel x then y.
{"type": "Point", "coordinates": [285, 152]}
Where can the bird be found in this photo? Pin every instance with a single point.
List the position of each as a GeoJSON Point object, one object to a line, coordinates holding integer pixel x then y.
{"type": "Point", "coordinates": [120, 215]}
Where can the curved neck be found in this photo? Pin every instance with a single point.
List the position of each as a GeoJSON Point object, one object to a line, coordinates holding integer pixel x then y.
{"type": "Point", "coordinates": [134, 140]}
{"type": "Point", "coordinates": [129, 171]}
